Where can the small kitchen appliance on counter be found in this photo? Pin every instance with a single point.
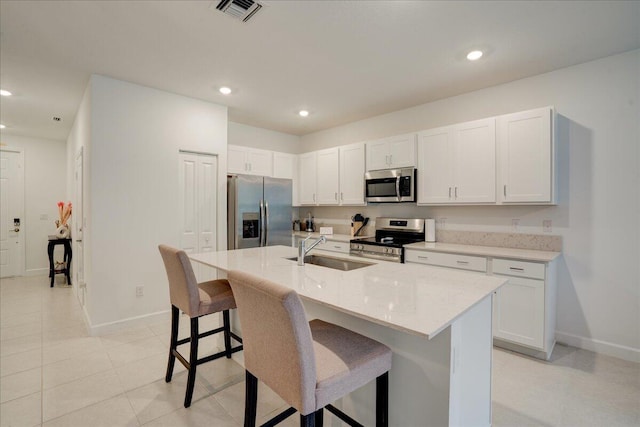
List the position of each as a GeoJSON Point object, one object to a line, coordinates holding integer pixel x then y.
{"type": "Point", "coordinates": [391, 235]}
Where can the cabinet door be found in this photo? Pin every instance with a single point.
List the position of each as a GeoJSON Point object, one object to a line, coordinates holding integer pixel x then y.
{"type": "Point", "coordinates": [526, 154]}
{"type": "Point", "coordinates": [518, 314]}
{"type": "Point", "coordinates": [260, 162]}
{"type": "Point", "coordinates": [352, 174]}
{"type": "Point", "coordinates": [435, 175]}
{"type": "Point", "coordinates": [328, 177]}
{"type": "Point", "coordinates": [402, 150]}
{"type": "Point", "coordinates": [236, 159]}
{"type": "Point", "coordinates": [474, 162]}
{"type": "Point", "coordinates": [284, 165]}
{"type": "Point", "coordinates": [377, 155]}
{"type": "Point", "coordinates": [307, 178]}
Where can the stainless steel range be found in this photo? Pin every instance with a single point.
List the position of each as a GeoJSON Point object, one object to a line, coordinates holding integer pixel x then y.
{"type": "Point", "coordinates": [391, 235]}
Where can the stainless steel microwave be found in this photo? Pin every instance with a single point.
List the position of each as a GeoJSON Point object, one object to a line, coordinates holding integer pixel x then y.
{"type": "Point", "coordinates": [390, 185]}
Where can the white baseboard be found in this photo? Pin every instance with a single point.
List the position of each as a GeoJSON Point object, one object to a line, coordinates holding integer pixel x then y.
{"type": "Point", "coordinates": [597, 346]}
{"type": "Point", "coordinates": [37, 272]}
{"type": "Point", "coordinates": [145, 319]}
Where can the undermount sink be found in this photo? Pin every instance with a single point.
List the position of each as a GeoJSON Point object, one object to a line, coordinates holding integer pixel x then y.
{"type": "Point", "coordinates": [331, 262]}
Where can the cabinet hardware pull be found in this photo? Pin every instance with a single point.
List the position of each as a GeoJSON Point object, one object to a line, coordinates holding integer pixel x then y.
{"type": "Point", "coordinates": [456, 192]}
{"type": "Point", "coordinates": [462, 262]}
{"type": "Point", "coordinates": [391, 159]}
{"type": "Point", "coordinates": [516, 269]}
{"type": "Point", "coordinates": [386, 159]}
{"type": "Point", "coordinates": [449, 192]}
{"type": "Point", "coordinates": [314, 197]}
{"type": "Point", "coordinates": [423, 257]}
{"type": "Point", "coordinates": [337, 247]}
{"type": "Point", "coordinates": [342, 197]}
{"type": "Point", "coordinates": [505, 190]}
{"type": "Point", "coordinates": [335, 196]}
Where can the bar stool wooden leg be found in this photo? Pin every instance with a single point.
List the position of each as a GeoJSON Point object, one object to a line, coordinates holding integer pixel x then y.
{"type": "Point", "coordinates": [175, 318]}
{"type": "Point", "coordinates": [227, 333]}
{"type": "Point", "coordinates": [382, 400]}
{"type": "Point", "coordinates": [193, 362]}
{"type": "Point", "coordinates": [251, 400]}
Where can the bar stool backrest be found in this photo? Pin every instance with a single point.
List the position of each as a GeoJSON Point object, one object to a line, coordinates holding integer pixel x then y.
{"type": "Point", "coordinates": [183, 286]}
{"type": "Point", "coordinates": [278, 347]}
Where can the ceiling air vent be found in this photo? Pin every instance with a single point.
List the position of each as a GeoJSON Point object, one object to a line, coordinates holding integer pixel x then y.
{"type": "Point", "coordinates": [239, 9]}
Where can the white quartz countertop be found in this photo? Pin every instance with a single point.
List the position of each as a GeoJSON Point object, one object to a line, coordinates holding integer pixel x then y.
{"type": "Point", "coordinates": [413, 298]}
{"type": "Point", "coordinates": [489, 251]}
{"type": "Point", "coordinates": [332, 237]}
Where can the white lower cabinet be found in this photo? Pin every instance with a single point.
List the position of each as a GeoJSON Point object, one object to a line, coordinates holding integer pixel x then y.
{"type": "Point", "coordinates": [524, 309]}
{"type": "Point", "coordinates": [518, 312]}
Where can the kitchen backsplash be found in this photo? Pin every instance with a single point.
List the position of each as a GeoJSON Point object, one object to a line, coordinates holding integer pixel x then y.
{"type": "Point", "coordinates": [540, 242]}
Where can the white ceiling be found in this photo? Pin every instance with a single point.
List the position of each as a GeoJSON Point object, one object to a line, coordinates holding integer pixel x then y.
{"type": "Point", "coordinates": [341, 60]}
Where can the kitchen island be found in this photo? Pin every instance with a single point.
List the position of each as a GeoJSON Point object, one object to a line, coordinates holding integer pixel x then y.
{"type": "Point", "coordinates": [436, 321]}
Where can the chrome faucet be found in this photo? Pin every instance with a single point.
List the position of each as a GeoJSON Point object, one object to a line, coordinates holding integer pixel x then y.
{"type": "Point", "coordinates": [303, 250]}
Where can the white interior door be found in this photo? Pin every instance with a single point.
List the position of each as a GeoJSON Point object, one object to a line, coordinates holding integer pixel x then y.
{"type": "Point", "coordinates": [78, 226]}
{"type": "Point", "coordinates": [11, 213]}
{"type": "Point", "coordinates": [198, 206]}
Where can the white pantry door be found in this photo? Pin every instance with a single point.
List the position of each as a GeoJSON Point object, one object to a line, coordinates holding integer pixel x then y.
{"type": "Point", "coordinates": [11, 212]}
{"type": "Point", "coordinates": [198, 205]}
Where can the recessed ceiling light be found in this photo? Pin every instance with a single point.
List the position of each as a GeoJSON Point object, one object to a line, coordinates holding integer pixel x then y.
{"type": "Point", "coordinates": [5, 92]}
{"type": "Point", "coordinates": [225, 90]}
{"type": "Point", "coordinates": [474, 55]}
{"type": "Point", "coordinates": [304, 113]}
{"type": "Point", "coordinates": [2, 126]}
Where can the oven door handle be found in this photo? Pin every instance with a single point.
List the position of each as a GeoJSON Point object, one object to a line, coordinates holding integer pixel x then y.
{"type": "Point", "coordinates": [398, 188]}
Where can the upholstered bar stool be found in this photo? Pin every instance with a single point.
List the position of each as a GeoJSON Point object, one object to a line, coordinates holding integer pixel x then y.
{"type": "Point", "coordinates": [195, 300]}
{"type": "Point", "coordinates": [308, 364]}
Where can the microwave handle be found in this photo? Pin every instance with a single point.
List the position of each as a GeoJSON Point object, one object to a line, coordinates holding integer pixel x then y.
{"type": "Point", "coordinates": [398, 188]}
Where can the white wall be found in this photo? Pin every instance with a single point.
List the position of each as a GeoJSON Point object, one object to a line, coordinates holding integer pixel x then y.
{"type": "Point", "coordinates": [44, 182]}
{"type": "Point", "coordinates": [135, 137]}
{"type": "Point", "coordinates": [250, 136]}
{"type": "Point", "coordinates": [599, 197]}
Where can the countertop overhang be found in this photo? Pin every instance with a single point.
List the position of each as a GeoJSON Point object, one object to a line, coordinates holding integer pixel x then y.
{"type": "Point", "coordinates": [412, 298]}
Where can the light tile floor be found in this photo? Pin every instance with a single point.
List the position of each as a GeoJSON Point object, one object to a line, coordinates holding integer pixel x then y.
{"type": "Point", "coordinates": [52, 373]}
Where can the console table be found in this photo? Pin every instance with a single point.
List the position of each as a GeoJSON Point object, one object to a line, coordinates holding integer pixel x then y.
{"type": "Point", "coordinates": [53, 241]}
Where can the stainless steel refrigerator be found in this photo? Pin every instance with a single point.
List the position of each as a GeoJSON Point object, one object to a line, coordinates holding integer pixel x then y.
{"type": "Point", "coordinates": [258, 211]}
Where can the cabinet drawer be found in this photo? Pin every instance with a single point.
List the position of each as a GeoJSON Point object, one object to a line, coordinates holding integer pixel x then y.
{"type": "Point", "coordinates": [532, 270]}
{"type": "Point", "coordinates": [335, 246]}
{"type": "Point", "coordinates": [464, 262]}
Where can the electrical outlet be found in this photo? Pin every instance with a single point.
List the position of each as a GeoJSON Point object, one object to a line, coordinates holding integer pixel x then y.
{"type": "Point", "coordinates": [139, 291]}
{"type": "Point", "coordinates": [443, 223]}
{"type": "Point", "coordinates": [514, 224]}
{"type": "Point", "coordinates": [547, 226]}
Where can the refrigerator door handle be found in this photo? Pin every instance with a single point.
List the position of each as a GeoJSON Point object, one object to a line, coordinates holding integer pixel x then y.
{"type": "Point", "coordinates": [266, 223]}
{"type": "Point", "coordinates": [262, 224]}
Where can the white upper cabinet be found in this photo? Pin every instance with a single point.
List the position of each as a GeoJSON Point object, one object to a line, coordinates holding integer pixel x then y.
{"type": "Point", "coordinates": [475, 162]}
{"type": "Point", "coordinates": [307, 169]}
{"type": "Point", "coordinates": [456, 164]}
{"type": "Point", "coordinates": [526, 157]}
{"type": "Point", "coordinates": [392, 152]}
{"type": "Point", "coordinates": [435, 174]}
{"type": "Point", "coordinates": [284, 165]}
{"type": "Point", "coordinates": [334, 176]}
{"type": "Point", "coordinates": [352, 174]}
{"type": "Point", "coordinates": [328, 176]}
{"type": "Point", "coordinates": [250, 161]}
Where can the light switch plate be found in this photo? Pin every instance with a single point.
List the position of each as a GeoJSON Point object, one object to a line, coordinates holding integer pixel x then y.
{"type": "Point", "coordinates": [547, 225]}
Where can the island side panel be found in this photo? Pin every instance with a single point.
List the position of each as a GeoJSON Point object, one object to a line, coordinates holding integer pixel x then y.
{"type": "Point", "coordinates": [471, 358]}
{"type": "Point", "coordinates": [419, 379]}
